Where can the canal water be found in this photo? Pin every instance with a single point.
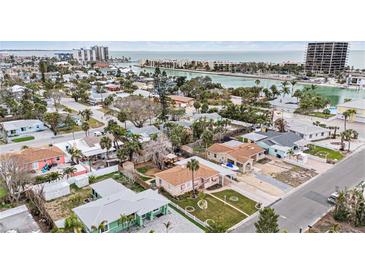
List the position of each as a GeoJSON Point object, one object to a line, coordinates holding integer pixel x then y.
{"type": "Point", "coordinates": [335, 95]}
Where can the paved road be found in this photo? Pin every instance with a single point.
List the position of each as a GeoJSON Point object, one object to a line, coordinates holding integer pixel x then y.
{"type": "Point", "coordinates": [306, 204]}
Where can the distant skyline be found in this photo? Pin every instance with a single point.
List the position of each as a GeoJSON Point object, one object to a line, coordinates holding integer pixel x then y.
{"type": "Point", "coordinates": [168, 45]}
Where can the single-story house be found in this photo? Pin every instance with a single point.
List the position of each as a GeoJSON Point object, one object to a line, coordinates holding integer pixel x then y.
{"type": "Point", "coordinates": [21, 127]}
{"type": "Point", "coordinates": [209, 116]}
{"type": "Point", "coordinates": [178, 180]}
{"type": "Point", "coordinates": [182, 101]}
{"type": "Point", "coordinates": [308, 131]}
{"type": "Point", "coordinates": [114, 200]}
{"type": "Point", "coordinates": [242, 155]}
{"type": "Point", "coordinates": [112, 87]}
{"type": "Point", "coordinates": [89, 146]}
{"type": "Point", "coordinates": [145, 132]}
{"type": "Point", "coordinates": [18, 219]}
{"type": "Point", "coordinates": [39, 158]}
{"type": "Point", "coordinates": [357, 105]}
{"type": "Point", "coordinates": [275, 143]}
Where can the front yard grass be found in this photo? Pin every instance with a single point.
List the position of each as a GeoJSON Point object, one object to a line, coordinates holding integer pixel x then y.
{"type": "Point", "coordinates": [217, 211]}
{"type": "Point", "coordinates": [243, 203]}
{"type": "Point", "coordinates": [323, 152]}
{"type": "Point", "coordinates": [320, 115]}
{"type": "Point", "coordinates": [92, 122]}
{"type": "Point", "coordinates": [22, 139]}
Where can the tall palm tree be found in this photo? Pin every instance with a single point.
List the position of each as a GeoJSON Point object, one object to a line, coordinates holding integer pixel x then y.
{"type": "Point", "coordinates": [193, 165]}
{"type": "Point", "coordinates": [123, 219]}
{"type": "Point", "coordinates": [85, 127]}
{"type": "Point", "coordinates": [76, 154]}
{"type": "Point", "coordinates": [69, 171]}
{"type": "Point", "coordinates": [106, 143]}
{"type": "Point", "coordinates": [293, 83]}
{"type": "Point", "coordinates": [285, 90]}
{"type": "Point", "coordinates": [348, 135]}
{"type": "Point", "coordinates": [348, 114]}
{"type": "Point", "coordinates": [122, 117]}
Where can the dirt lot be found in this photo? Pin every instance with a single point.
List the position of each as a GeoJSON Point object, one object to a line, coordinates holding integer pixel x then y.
{"type": "Point", "coordinates": [286, 173]}
{"type": "Point", "coordinates": [61, 208]}
{"type": "Point", "coordinates": [327, 223]}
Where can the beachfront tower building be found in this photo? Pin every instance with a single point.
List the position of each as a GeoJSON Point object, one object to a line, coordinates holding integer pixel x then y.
{"type": "Point", "coordinates": [94, 54]}
{"type": "Point", "coordinates": [326, 57]}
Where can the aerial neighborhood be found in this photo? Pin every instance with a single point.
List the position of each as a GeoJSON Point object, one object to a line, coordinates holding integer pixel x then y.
{"type": "Point", "coordinates": [94, 143]}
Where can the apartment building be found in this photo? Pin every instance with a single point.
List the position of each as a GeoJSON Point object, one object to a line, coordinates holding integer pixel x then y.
{"type": "Point", "coordinates": [326, 57]}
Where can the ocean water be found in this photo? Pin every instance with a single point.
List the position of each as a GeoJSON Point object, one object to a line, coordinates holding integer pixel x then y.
{"type": "Point", "coordinates": [335, 95]}
{"type": "Point", "coordinates": [356, 58]}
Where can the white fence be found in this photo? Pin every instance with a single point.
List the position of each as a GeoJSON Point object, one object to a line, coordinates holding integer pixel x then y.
{"type": "Point", "coordinates": [191, 216]}
{"type": "Point", "coordinates": [104, 171]}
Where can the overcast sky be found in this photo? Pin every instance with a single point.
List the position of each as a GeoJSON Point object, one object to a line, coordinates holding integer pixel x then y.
{"type": "Point", "coordinates": [168, 46]}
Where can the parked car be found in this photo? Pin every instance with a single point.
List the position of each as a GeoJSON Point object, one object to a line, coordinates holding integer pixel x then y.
{"type": "Point", "coordinates": [98, 133]}
{"type": "Point", "coordinates": [333, 198]}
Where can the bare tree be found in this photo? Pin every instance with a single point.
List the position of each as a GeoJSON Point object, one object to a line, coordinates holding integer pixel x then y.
{"type": "Point", "coordinates": [56, 96]}
{"type": "Point", "coordinates": [156, 150]}
{"type": "Point", "coordinates": [138, 109]}
{"type": "Point", "coordinates": [13, 176]}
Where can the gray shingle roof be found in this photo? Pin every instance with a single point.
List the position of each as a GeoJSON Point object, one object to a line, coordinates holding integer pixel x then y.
{"type": "Point", "coordinates": [286, 139]}
{"type": "Point", "coordinates": [110, 208]}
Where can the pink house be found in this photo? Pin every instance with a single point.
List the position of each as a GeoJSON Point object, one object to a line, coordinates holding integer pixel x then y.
{"type": "Point", "coordinates": [37, 158]}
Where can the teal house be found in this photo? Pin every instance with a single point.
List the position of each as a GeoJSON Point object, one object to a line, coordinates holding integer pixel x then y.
{"type": "Point", "coordinates": [275, 143]}
{"type": "Point", "coordinates": [119, 208]}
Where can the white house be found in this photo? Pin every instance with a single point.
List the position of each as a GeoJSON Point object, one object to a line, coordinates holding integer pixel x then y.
{"type": "Point", "coordinates": [21, 127]}
{"type": "Point", "coordinates": [308, 131]}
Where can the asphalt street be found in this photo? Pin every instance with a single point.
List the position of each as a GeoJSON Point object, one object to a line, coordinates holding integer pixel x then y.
{"type": "Point", "coordinates": [306, 204]}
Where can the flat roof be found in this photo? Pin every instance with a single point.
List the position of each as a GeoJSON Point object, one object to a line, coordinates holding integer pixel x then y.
{"type": "Point", "coordinates": [13, 125]}
{"type": "Point", "coordinates": [19, 220]}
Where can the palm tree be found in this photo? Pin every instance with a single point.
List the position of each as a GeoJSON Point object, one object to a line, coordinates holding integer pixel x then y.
{"type": "Point", "coordinates": [285, 89]}
{"type": "Point", "coordinates": [193, 165]}
{"type": "Point", "coordinates": [76, 154]}
{"type": "Point", "coordinates": [122, 117]}
{"type": "Point", "coordinates": [73, 224]}
{"type": "Point", "coordinates": [334, 229]}
{"type": "Point", "coordinates": [106, 143]}
{"type": "Point", "coordinates": [348, 135]}
{"type": "Point", "coordinates": [293, 83]}
{"type": "Point", "coordinates": [123, 219]}
{"type": "Point", "coordinates": [257, 82]}
{"type": "Point", "coordinates": [100, 228]}
{"type": "Point", "coordinates": [167, 226]}
{"type": "Point", "coordinates": [69, 171]}
{"type": "Point", "coordinates": [85, 127]}
{"type": "Point", "coordinates": [348, 114]}
{"type": "Point", "coordinates": [86, 114]}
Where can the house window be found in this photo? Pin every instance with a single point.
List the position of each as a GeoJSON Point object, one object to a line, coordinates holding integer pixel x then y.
{"type": "Point", "coordinates": [322, 134]}
{"type": "Point", "coordinates": [310, 135]}
{"type": "Point", "coordinates": [215, 155]}
{"type": "Point", "coordinates": [276, 150]}
{"type": "Point", "coordinates": [23, 129]}
{"type": "Point", "coordinates": [57, 158]}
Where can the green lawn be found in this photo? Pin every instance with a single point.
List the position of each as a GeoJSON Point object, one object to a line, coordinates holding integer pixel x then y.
{"type": "Point", "coordinates": [321, 115]}
{"type": "Point", "coordinates": [143, 169]}
{"type": "Point", "coordinates": [92, 122]}
{"type": "Point", "coordinates": [245, 204]}
{"type": "Point", "coordinates": [119, 177]}
{"type": "Point", "coordinates": [23, 139]}
{"type": "Point", "coordinates": [216, 211]}
{"type": "Point", "coordinates": [323, 152]}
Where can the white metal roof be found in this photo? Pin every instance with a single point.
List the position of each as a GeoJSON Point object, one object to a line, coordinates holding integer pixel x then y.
{"type": "Point", "coordinates": [13, 125]}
